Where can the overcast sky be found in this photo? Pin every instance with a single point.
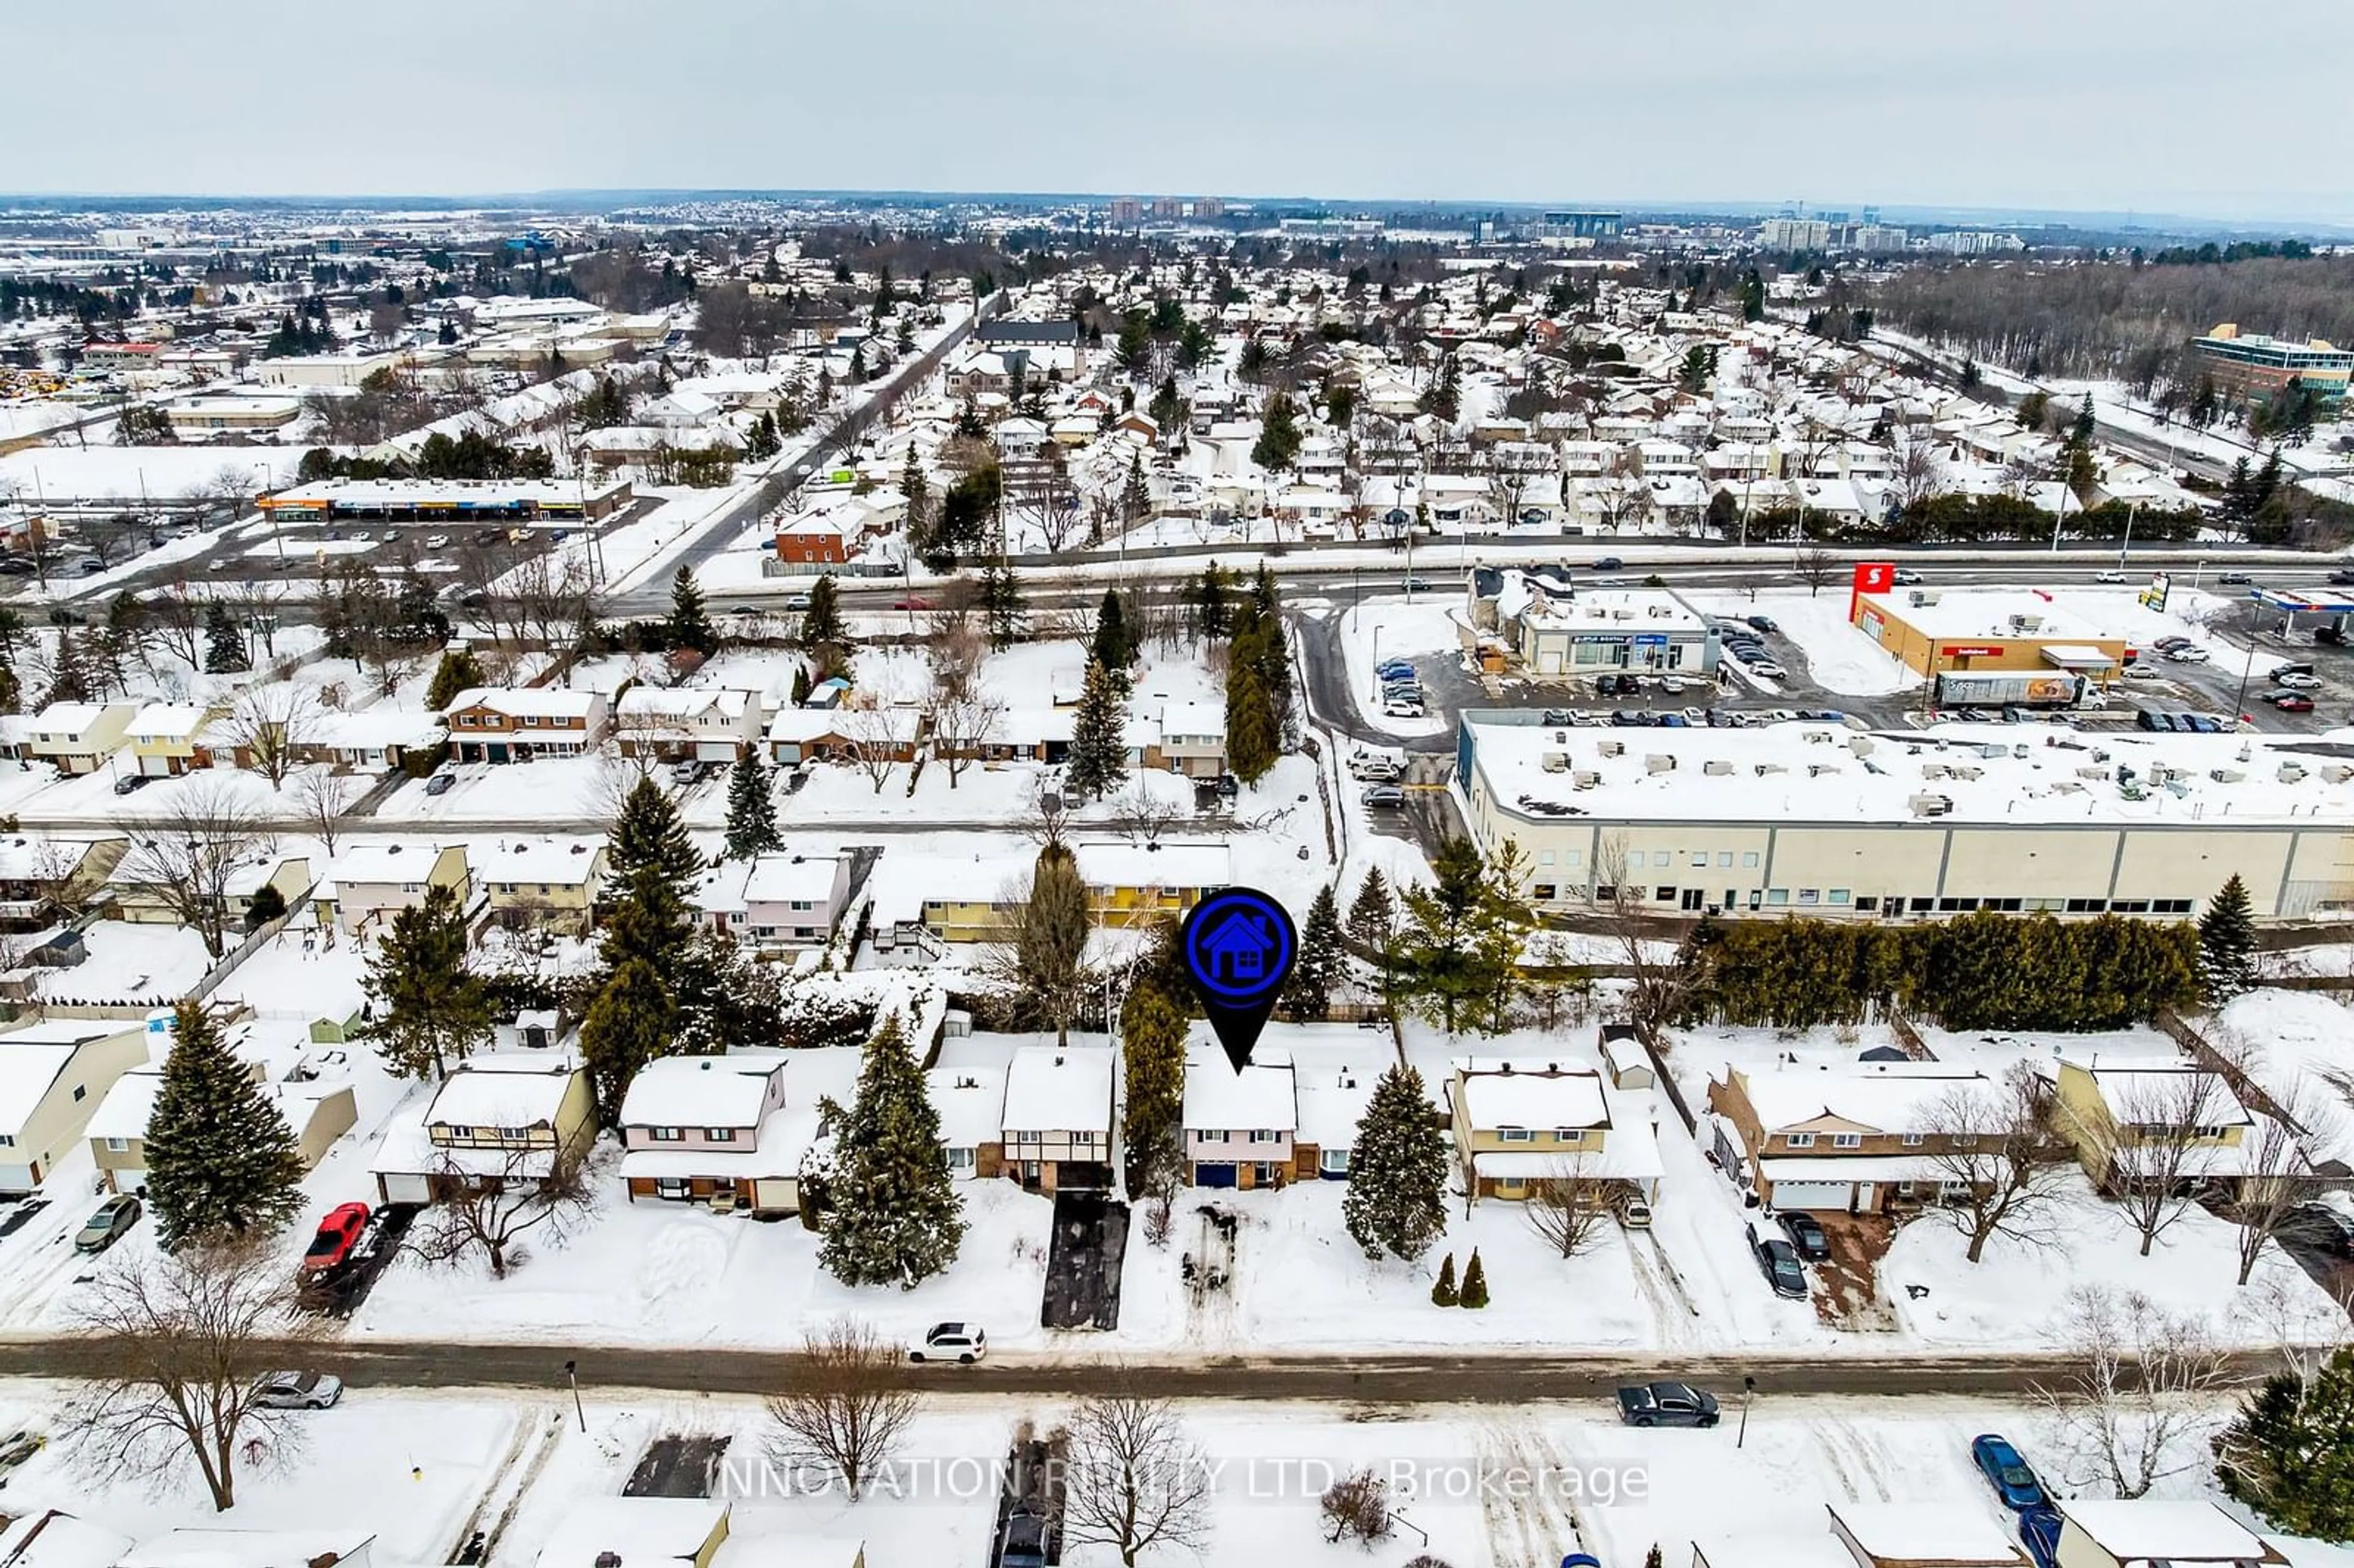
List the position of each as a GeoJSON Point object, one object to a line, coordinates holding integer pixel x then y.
{"type": "Point", "coordinates": [2175, 105]}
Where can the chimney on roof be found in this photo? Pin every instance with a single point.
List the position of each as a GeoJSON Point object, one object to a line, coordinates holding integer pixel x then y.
{"type": "Point", "coordinates": [608, 1560]}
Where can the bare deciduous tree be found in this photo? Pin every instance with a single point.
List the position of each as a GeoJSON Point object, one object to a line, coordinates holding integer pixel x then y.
{"type": "Point", "coordinates": [2277, 1173]}
{"type": "Point", "coordinates": [272, 724]}
{"type": "Point", "coordinates": [1134, 1479]}
{"type": "Point", "coordinates": [2126, 1413]}
{"type": "Point", "coordinates": [1816, 566]}
{"type": "Point", "coordinates": [1662, 971]}
{"type": "Point", "coordinates": [1570, 1205]}
{"type": "Point", "coordinates": [184, 1339]}
{"type": "Point", "coordinates": [489, 1204]}
{"type": "Point", "coordinates": [962, 723]}
{"type": "Point", "coordinates": [876, 740]}
{"type": "Point", "coordinates": [319, 796]}
{"type": "Point", "coordinates": [2165, 1128]}
{"type": "Point", "coordinates": [1358, 1505]}
{"type": "Point", "coordinates": [848, 1405]}
{"type": "Point", "coordinates": [1998, 1169]}
{"type": "Point", "coordinates": [185, 856]}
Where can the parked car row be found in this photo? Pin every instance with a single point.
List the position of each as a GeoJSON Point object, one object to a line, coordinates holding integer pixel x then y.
{"type": "Point", "coordinates": [2183, 723]}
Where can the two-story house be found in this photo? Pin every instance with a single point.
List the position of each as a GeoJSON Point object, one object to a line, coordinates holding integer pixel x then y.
{"type": "Point", "coordinates": [1239, 1128]}
{"type": "Point", "coordinates": [317, 1114]}
{"type": "Point", "coordinates": [970, 1103]}
{"type": "Point", "coordinates": [2133, 1120]}
{"type": "Point", "coordinates": [1194, 739]}
{"type": "Point", "coordinates": [42, 877]}
{"type": "Point", "coordinates": [1128, 884]}
{"type": "Point", "coordinates": [53, 1075]}
{"type": "Point", "coordinates": [1518, 1124]}
{"type": "Point", "coordinates": [499, 1116]}
{"type": "Point", "coordinates": [368, 883]}
{"type": "Point", "coordinates": [1861, 1139]}
{"type": "Point", "coordinates": [777, 900]}
{"type": "Point", "coordinates": [1057, 1118]}
{"type": "Point", "coordinates": [286, 876]}
{"type": "Point", "coordinates": [548, 882]}
{"type": "Point", "coordinates": [522, 724]}
{"type": "Point", "coordinates": [713, 1129]}
{"type": "Point", "coordinates": [702, 724]}
{"type": "Point", "coordinates": [77, 737]}
{"type": "Point", "coordinates": [163, 739]}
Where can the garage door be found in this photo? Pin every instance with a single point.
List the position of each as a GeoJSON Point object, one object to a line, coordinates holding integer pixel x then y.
{"type": "Point", "coordinates": [405, 1189]}
{"type": "Point", "coordinates": [1214, 1175]}
{"type": "Point", "coordinates": [1821, 1197]}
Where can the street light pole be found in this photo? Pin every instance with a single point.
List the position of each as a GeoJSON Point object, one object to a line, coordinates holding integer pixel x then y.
{"type": "Point", "coordinates": [2131, 512]}
{"type": "Point", "coordinates": [572, 1376]}
{"type": "Point", "coordinates": [1748, 1387]}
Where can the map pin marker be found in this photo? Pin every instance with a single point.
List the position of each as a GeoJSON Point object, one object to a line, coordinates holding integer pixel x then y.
{"type": "Point", "coordinates": [1239, 946]}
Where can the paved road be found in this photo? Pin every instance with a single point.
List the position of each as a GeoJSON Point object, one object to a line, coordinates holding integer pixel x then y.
{"type": "Point", "coordinates": [1442, 1379]}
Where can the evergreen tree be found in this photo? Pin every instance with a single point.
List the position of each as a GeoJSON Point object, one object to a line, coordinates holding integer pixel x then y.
{"type": "Point", "coordinates": [458, 670]}
{"type": "Point", "coordinates": [1475, 1282]}
{"type": "Point", "coordinates": [1000, 604]}
{"type": "Point", "coordinates": [2289, 1453]}
{"type": "Point", "coordinates": [224, 651]}
{"type": "Point", "coordinates": [801, 688]}
{"type": "Point", "coordinates": [1442, 1290]}
{"type": "Point", "coordinates": [1136, 495]}
{"type": "Point", "coordinates": [1114, 648]}
{"type": "Point", "coordinates": [1372, 914]}
{"type": "Point", "coordinates": [2081, 432]}
{"type": "Point", "coordinates": [1322, 963]}
{"type": "Point", "coordinates": [221, 1161]}
{"type": "Point", "coordinates": [1152, 1058]}
{"type": "Point", "coordinates": [1098, 755]}
{"type": "Point", "coordinates": [1211, 618]}
{"type": "Point", "coordinates": [1443, 399]}
{"type": "Point", "coordinates": [690, 623]}
{"type": "Point", "coordinates": [751, 809]}
{"type": "Point", "coordinates": [822, 622]}
{"type": "Point", "coordinates": [1396, 1201]}
{"type": "Point", "coordinates": [1252, 739]}
{"type": "Point", "coordinates": [1278, 436]}
{"type": "Point", "coordinates": [1050, 949]}
{"type": "Point", "coordinates": [631, 1022]}
{"type": "Point", "coordinates": [1461, 948]}
{"type": "Point", "coordinates": [2227, 943]}
{"type": "Point", "coordinates": [650, 836]}
{"type": "Point", "coordinates": [895, 1219]}
{"type": "Point", "coordinates": [431, 1008]}
{"type": "Point", "coordinates": [68, 681]}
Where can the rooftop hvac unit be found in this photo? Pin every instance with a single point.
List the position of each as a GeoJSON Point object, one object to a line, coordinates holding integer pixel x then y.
{"type": "Point", "coordinates": [1655, 763]}
{"type": "Point", "coordinates": [2229, 775]}
{"type": "Point", "coordinates": [2290, 772]}
{"type": "Point", "coordinates": [2092, 773]}
{"type": "Point", "coordinates": [1585, 781]}
{"type": "Point", "coordinates": [1816, 769]}
{"type": "Point", "coordinates": [1935, 771]}
{"type": "Point", "coordinates": [1932, 805]}
{"type": "Point", "coordinates": [2337, 773]}
{"type": "Point", "coordinates": [1860, 745]}
{"type": "Point", "coordinates": [1613, 749]}
{"type": "Point", "coordinates": [2023, 624]}
{"type": "Point", "coordinates": [1554, 762]}
{"type": "Point", "coordinates": [1716, 769]}
{"type": "Point", "coordinates": [1766, 767]}
{"type": "Point", "coordinates": [1921, 599]}
{"type": "Point", "coordinates": [1968, 774]}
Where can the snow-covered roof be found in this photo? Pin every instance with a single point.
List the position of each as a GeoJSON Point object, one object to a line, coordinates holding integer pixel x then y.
{"type": "Point", "coordinates": [204, 1546]}
{"type": "Point", "coordinates": [642, 1532]}
{"type": "Point", "coordinates": [970, 1101]}
{"type": "Point", "coordinates": [2142, 1530]}
{"type": "Point", "coordinates": [69, 718]}
{"type": "Point", "coordinates": [1892, 1097]}
{"type": "Point", "coordinates": [523, 702]}
{"type": "Point", "coordinates": [1161, 864]}
{"type": "Point", "coordinates": [1943, 1532]}
{"type": "Point", "coordinates": [566, 862]}
{"type": "Point", "coordinates": [1494, 1098]}
{"type": "Point", "coordinates": [47, 1538]}
{"type": "Point", "coordinates": [1051, 1088]}
{"type": "Point", "coordinates": [503, 1088]}
{"type": "Point", "coordinates": [1333, 1101]}
{"type": "Point", "coordinates": [167, 721]}
{"type": "Point", "coordinates": [371, 864]}
{"type": "Point", "coordinates": [791, 878]}
{"type": "Point", "coordinates": [128, 1106]}
{"type": "Point", "coordinates": [29, 1068]}
{"type": "Point", "coordinates": [701, 1091]}
{"type": "Point", "coordinates": [684, 702]}
{"type": "Point", "coordinates": [2162, 1091]}
{"type": "Point", "coordinates": [1218, 1099]}
{"type": "Point", "coordinates": [1773, 1549]}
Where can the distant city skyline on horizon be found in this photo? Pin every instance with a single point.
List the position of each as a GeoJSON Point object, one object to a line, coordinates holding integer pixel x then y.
{"type": "Point", "coordinates": [2102, 108]}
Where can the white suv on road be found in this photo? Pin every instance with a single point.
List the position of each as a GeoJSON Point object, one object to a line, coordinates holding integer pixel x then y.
{"type": "Point", "coordinates": [951, 1342]}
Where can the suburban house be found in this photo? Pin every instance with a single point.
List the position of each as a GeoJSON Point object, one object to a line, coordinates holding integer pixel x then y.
{"type": "Point", "coordinates": [367, 741]}
{"type": "Point", "coordinates": [499, 1116]}
{"type": "Point", "coordinates": [50, 1538]}
{"type": "Point", "coordinates": [971, 1102]}
{"type": "Point", "coordinates": [713, 1129]}
{"type": "Point", "coordinates": [520, 724]}
{"type": "Point", "coordinates": [1332, 1103]}
{"type": "Point", "coordinates": [1128, 884]}
{"type": "Point", "coordinates": [1057, 1118]}
{"type": "Point", "coordinates": [826, 537]}
{"type": "Point", "coordinates": [206, 1546]}
{"type": "Point", "coordinates": [1953, 1534]}
{"type": "Point", "coordinates": [40, 877]}
{"type": "Point", "coordinates": [548, 883]}
{"type": "Point", "coordinates": [1519, 1124]}
{"type": "Point", "coordinates": [1194, 739]}
{"type": "Point", "coordinates": [53, 1076]}
{"type": "Point", "coordinates": [637, 1532]}
{"type": "Point", "coordinates": [371, 883]}
{"type": "Point", "coordinates": [318, 1114]}
{"type": "Point", "coordinates": [1855, 1139]}
{"type": "Point", "coordinates": [78, 736]}
{"type": "Point", "coordinates": [702, 724]}
{"type": "Point", "coordinates": [287, 876]}
{"type": "Point", "coordinates": [2138, 1116]}
{"type": "Point", "coordinates": [163, 739]}
{"type": "Point", "coordinates": [825, 734]}
{"type": "Point", "coordinates": [2154, 1532]}
{"type": "Point", "coordinates": [1239, 1128]}
{"type": "Point", "coordinates": [778, 899]}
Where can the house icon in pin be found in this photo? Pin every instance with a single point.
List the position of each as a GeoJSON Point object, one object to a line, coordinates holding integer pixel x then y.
{"type": "Point", "coordinates": [1239, 950]}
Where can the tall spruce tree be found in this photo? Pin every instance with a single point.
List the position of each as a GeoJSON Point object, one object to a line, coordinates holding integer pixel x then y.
{"type": "Point", "coordinates": [432, 1010]}
{"type": "Point", "coordinates": [690, 623]}
{"type": "Point", "coordinates": [631, 1022]}
{"type": "Point", "coordinates": [1152, 1060]}
{"type": "Point", "coordinates": [751, 809]}
{"type": "Point", "coordinates": [896, 1217]}
{"type": "Point", "coordinates": [1098, 756]}
{"type": "Point", "coordinates": [822, 624]}
{"type": "Point", "coordinates": [1211, 616]}
{"type": "Point", "coordinates": [458, 670]}
{"type": "Point", "coordinates": [1372, 914]}
{"type": "Point", "coordinates": [2227, 942]}
{"type": "Point", "coordinates": [2289, 1453]}
{"type": "Point", "coordinates": [221, 1161]}
{"type": "Point", "coordinates": [68, 681]}
{"type": "Point", "coordinates": [1000, 604]}
{"type": "Point", "coordinates": [1396, 1202]}
{"type": "Point", "coordinates": [224, 650]}
{"type": "Point", "coordinates": [1322, 962]}
{"type": "Point", "coordinates": [1252, 739]}
{"type": "Point", "coordinates": [1114, 649]}
{"type": "Point", "coordinates": [649, 836]}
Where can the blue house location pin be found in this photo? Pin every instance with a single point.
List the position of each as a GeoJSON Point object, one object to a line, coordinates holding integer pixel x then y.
{"type": "Point", "coordinates": [1239, 946]}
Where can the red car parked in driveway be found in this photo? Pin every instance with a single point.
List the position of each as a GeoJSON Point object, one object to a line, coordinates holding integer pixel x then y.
{"type": "Point", "coordinates": [338, 1234]}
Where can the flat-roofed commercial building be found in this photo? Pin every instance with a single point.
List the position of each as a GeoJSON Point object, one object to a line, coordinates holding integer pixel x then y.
{"type": "Point", "coordinates": [2256, 367]}
{"type": "Point", "coordinates": [1823, 820]}
{"type": "Point", "coordinates": [1953, 631]}
{"type": "Point", "coordinates": [450, 500]}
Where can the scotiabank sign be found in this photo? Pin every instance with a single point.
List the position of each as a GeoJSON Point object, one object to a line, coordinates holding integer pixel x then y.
{"type": "Point", "coordinates": [1871, 577]}
{"type": "Point", "coordinates": [1969, 652]}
